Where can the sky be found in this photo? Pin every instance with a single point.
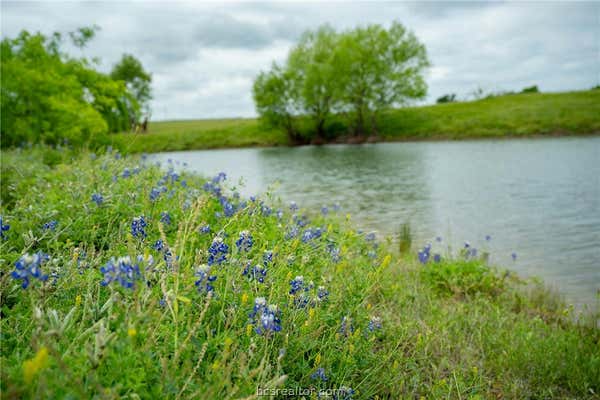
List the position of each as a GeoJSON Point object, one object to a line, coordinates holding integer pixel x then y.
{"type": "Point", "coordinates": [204, 56]}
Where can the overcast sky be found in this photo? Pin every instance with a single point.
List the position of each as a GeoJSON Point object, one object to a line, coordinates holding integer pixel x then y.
{"type": "Point", "coordinates": [204, 57]}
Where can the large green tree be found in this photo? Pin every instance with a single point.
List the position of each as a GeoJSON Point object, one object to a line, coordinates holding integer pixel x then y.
{"type": "Point", "coordinates": [356, 74]}
{"type": "Point", "coordinates": [48, 96]}
{"type": "Point", "coordinates": [130, 70]}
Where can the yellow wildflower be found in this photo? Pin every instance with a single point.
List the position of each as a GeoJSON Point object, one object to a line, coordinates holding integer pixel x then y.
{"type": "Point", "coordinates": [78, 300]}
{"type": "Point", "coordinates": [244, 298]}
{"type": "Point", "coordinates": [32, 366]}
{"type": "Point", "coordinates": [131, 332]}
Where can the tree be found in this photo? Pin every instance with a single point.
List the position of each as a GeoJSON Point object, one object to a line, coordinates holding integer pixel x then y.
{"type": "Point", "coordinates": [130, 70]}
{"type": "Point", "coordinates": [312, 62]}
{"type": "Point", "coordinates": [379, 69]}
{"type": "Point", "coordinates": [447, 98]}
{"type": "Point", "coordinates": [48, 96]}
{"type": "Point", "coordinates": [276, 97]}
{"type": "Point", "coordinates": [358, 74]}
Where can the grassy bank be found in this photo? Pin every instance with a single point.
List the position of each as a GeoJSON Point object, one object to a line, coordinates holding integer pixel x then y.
{"type": "Point", "coordinates": [518, 115]}
{"type": "Point", "coordinates": [208, 302]}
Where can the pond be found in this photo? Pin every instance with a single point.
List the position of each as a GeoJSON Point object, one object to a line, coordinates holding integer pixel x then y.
{"type": "Point", "coordinates": [538, 198]}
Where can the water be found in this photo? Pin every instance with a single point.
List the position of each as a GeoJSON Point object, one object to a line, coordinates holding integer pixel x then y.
{"type": "Point", "coordinates": [539, 198]}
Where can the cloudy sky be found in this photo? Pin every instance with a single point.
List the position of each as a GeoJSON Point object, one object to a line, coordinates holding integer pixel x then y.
{"type": "Point", "coordinates": [204, 56]}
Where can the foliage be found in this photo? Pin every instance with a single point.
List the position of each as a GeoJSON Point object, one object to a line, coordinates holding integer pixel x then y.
{"type": "Point", "coordinates": [530, 89]}
{"type": "Point", "coordinates": [357, 74]}
{"type": "Point", "coordinates": [166, 324]}
{"type": "Point", "coordinates": [573, 113]}
{"type": "Point", "coordinates": [130, 70]}
{"type": "Point", "coordinates": [447, 98]}
{"type": "Point", "coordinates": [50, 97]}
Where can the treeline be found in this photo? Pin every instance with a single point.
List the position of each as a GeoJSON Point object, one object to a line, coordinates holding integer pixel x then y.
{"type": "Point", "coordinates": [338, 83]}
{"type": "Point", "coordinates": [51, 97]}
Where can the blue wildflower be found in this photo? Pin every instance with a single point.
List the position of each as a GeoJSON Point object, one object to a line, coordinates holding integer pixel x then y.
{"type": "Point", "coordinates": [267, 258]}
{"type": "Point", "coordinates": [265, 318]}
{"type": "Point", "coordinates": [292, 233]}
{"type": "Point", "coordinates": [374, 324]}
{"type": "Point", "coordinates": [370, 237]}
{"type": "Point", "coordinates": [3, 228]}
{"type": "Point", "coordinates": [121, 270]}
{"type": "Point", "coordinates": [138, 226]}
{"type": "Point", "coordinates": [322, 293]}
{"type": "Point", "coordinates": [159, 245]}
{"type": "Point", "coordinates": [257, 273]}
{"type": "Point", "coordinates": [293, 206]}
{"type": "Point", "coordinates": [126, 173]}
{"type": "Point", "coordinates": [297, 284]}
{"type": "Point", "coordinates": [488, 238]}
{"type": "Point", "coordinates": [30, 266]}
{"type": "Point", "coordinates": [205, 279]}
{"type": "Point", "coordinates": [97, 198]}
{"type": "Point", "coordinates": [154, 193]}
{"type": "Point", "coordinates": [343, 393]}
{"type": "Point", "coordinates": [220, 177]}
{"type": "Point", "coordinates": [217, 252]}
{"type": "Point", "coordinates": [324, 210]}
{"type": "Point", "coordinates": [437, 258]}
{"type": "Point", "coordinates": [50, 225]}
{"type": "Point", "coordinates": [346, 327]}
{"type": "Point", "coordinates": [165, 218]}
{"type": "Point", "coordinates": [205, 228]}
{"type": "Point", "coordinates": [245, 242]}
{"type": "Point", "coordinates": [319, 374]}
{"type": "Point", "coordinates": [514, 256]}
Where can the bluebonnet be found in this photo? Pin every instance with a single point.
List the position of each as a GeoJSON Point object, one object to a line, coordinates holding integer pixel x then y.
{"type": "Point", "coordinates": [437, 258]}
{"type": "Point", "coordinates": [29, 266]}
{"type": "Point", "coordinates": [266, 210]}
{"type": "Point", "coordinates": [343, 393]}
{"type": "Point", "coordinates": [154, 193]}
{"type": "Point", "coordinates": [265, 318]}
{"type": "Point", "coordinates": [205, 228]}
{"type": "Point", "coordinates": [257, 272]}
{"type": "Point", "coordinates": [370, 237]}
{"type": "Point", "coordinates": [245, 241]}
{"type": "Point", "coordinates": [279, 214]}
{"type": "Point", "coordinates": [293, 206]}
{"type": "Point", "coordinates": [138, 226]}
{"type": "Point", "coordinates": [467, 245]}
{"type": "Point", "coordinates": [165, 218]}
{"type": "Point", "coordinates": [488, 238]}
{"type": "Point", "coordinates": [301, 221]}
{"type": "Point", "coordinates": [346, 328]}
{"type": "Point", "coordinates": [374, 324]}
{"type": "Point", "coordinates": [159, 245]}
{"type": "Point", "coordinates": [334, 251]}
{"type": "Point", "coordinates": [3, 228]}
{"type": "Point", "coordinates": [311, 233]}
{"type": "Point", "coordinates": [253, 198]}
{"type": "Point", "coordinates": [183, 183]}
{"type": "Point", "coordinates": [296, 284]}
{"type": "Point", "coordinates": [217, 252]}
{"type": "Point", "coordinates": [319, 374]}
{"type": "Point", "coordinates": [220, 177]}
{"type": "Point", "coordinates": [126, 173]}
{"type": "Point", "coordinates": [267, 258]}
{"type": "Point", "coordinates": [97, 198]}
{"type": "Point", "coordinates": [424, 254]}
{"type": "Point", "coordinates": [121, 270]}
{"type": "Point", "coordinates": [514, 256]}
{"type": "Point", "coordinates": [292, 233]}
{"type": "Point", "coordinates": [50, 225]}
{"type": "Point", "coordinates": [322, 293]}
{"type": "Point", "coordinates": [324, 210]}
{"type": "Point", "coordinates": [205, 279]}
{"type": "Point", "coordinates": [228, 207]}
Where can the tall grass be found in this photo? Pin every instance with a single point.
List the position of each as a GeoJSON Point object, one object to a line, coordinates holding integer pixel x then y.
{"type": "Point", "coordinates": [218, 296]}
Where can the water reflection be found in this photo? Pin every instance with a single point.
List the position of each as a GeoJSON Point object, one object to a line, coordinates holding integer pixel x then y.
{"type": "Point", "coordinates": [539, 198]}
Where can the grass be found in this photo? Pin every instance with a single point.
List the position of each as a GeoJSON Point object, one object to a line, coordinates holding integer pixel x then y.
{"type": "Point", "coordinates": [389, 326]}
{"type": "Point", "coordinates": [517, 115]}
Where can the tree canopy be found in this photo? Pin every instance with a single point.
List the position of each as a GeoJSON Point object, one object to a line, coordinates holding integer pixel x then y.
{"type": "Point", "coordinates": [351, 76]}
{"type": "Point", "coordinates": [51, 97]}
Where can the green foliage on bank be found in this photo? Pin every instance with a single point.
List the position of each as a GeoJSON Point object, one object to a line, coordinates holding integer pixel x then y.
{"type": "Point", "coordinates": [49, 96]}
{"type": "Point", "coordinates": [361, 318]}
{"type": "Point", "coordinates": [516, 115]}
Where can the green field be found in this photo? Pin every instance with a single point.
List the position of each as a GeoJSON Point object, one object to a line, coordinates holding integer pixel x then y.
{"type": "Point", "coordinates": [518, 115]}
{"type": "Point", "coordinates": [148, 292]}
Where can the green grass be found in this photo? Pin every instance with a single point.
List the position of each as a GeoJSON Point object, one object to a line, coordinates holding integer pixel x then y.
{"type": "Point", "coordinates": [518, 115]}
{"type": "Point", "coordinates": [455, 329]}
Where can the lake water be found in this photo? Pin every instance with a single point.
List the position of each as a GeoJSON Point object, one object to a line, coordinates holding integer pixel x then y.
{"type": "Point", "coordinates": [539, 198]}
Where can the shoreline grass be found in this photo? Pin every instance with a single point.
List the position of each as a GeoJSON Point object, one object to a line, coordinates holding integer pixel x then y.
{"type": "Point", "coordinates": [508, 116]}
{"type": "Point", "coordinates": [161, 284]}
